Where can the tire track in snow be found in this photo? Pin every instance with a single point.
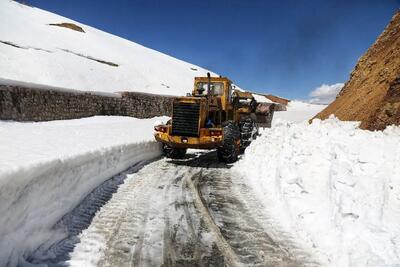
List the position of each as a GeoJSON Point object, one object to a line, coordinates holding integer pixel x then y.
{"type": "Point", "coordinates": [230, 256]}
{"type": "Point", "coordinates": [79, 219]}
{"type": "Point", "coordinates": [241, 220]}
{"type": "Point", "coordinates": [190, 212]}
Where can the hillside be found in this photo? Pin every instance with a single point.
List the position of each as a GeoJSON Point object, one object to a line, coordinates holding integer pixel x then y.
{"type": "Point", "coordinates": [372, 94]}
{"type": "Point", "coordinates": [40, 47]}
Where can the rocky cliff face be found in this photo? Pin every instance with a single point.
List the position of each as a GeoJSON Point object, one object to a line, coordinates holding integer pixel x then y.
{"type": "Point", "coordinates": [372, 94]}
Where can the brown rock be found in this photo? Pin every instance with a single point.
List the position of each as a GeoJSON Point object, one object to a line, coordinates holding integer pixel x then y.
{"type": "Point", "coordinates": [69, 26]}
{"type": "Point", "coordinates": [372, 95]}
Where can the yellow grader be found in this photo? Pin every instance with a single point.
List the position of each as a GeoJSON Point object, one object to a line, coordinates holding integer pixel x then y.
{"type": "Point", "coordinates": [214, 116]}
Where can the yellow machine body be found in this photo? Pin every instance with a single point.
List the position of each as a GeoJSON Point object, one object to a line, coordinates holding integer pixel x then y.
{"type": "Point", "coordinates": [197, 119]}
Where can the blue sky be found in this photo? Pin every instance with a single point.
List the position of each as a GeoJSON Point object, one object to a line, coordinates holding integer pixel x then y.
{"type": "Point", "coordinates": [282, 47]}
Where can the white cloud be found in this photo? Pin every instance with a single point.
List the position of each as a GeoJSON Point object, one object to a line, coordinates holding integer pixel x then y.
{"type": "Point", "coordinates": [325, 94]}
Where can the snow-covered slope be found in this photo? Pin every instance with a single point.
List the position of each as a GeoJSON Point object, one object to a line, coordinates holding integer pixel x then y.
{"type": "Point", "coordinates": [33, 51]}
{"type": "Point", "coordinates": [336, 186]}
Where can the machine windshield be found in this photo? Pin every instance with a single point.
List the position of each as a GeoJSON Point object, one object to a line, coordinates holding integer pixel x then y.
{"type": "Point", "coordinates": [217, 88]}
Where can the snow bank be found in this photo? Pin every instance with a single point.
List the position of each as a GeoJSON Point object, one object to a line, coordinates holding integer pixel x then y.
{"type": "Point", "coordinates": [47, 168]}
{"type": "Point", "coordinates": [298, 111]}
{"type": "Point", "coordinates": [336, 186]}
{"type": "Point", "coordinates": [33, 51]}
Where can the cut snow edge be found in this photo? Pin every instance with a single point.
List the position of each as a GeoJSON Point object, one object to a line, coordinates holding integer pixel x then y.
{"type": "Point", "coordinates": [34, 199]}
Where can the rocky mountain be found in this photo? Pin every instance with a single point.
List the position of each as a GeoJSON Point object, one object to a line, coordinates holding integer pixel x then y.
{"type": "Point", "coordinates": [372, 94]}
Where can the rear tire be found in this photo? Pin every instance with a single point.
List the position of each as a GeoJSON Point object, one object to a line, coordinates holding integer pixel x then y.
{"type": "Point", "coordinates": [230, 148]}
{"type": "Point", "coordinates": [174, 153]}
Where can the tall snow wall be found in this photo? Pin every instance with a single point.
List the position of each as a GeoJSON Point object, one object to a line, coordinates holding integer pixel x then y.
{"type": "Point", "coordinates": [33, 199]}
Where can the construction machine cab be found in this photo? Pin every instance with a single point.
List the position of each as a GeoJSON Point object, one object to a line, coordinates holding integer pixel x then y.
{"type": "Point", "coordinates": [217, 88]}
{"type": "Point", "coordinates": [213, 88]}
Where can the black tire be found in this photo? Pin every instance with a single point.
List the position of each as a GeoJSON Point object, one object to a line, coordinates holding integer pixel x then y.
{"type": "Point", "coordinates": [230, 149]}
{"type": "Point", "coordinates": [174, 153]}
{"type": "Point", "coordinates": [248, 132]}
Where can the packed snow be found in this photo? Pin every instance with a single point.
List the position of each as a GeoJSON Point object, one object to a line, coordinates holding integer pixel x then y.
{"type": "Point", "coordinates": [335, 185]}
{"type": "Point", "coordinates": [33, 51]}
{"type": "Point", "coordinates": [47, 168]}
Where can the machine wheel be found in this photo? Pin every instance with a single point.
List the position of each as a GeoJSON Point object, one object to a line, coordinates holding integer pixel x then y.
{"type": "Point", "coordinates": [248, 132]}
{"type": "Point", "coordinates": [174, 153]}
{"type": "Point", "coordinates": [230, 148]}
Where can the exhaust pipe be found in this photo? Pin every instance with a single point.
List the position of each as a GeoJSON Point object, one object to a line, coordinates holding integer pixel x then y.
{"type": "Point", "coordinates": [208, 91]}
{"type": "Point", "coordinates": [208, 84]}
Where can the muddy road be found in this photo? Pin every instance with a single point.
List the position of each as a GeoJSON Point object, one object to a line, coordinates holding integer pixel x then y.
{"type": "Point", "coordinates": [190, 212]}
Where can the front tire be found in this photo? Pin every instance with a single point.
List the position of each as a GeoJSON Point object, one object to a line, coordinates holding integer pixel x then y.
{"type": "Point", "coordinates": [174, 153]}
{"type": "Point", "coordinates": [230, 149]}
{"type": "Point", "coordinates": [249, 132]}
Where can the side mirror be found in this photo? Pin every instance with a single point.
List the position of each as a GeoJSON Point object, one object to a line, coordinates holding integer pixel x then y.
{"type": "Point", "coordinates": [188, 94]}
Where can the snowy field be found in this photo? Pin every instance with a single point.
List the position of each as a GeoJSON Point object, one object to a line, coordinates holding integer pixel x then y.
{"type": "Point", "coordinates": [33, 51]}
{"type": "Point", "coordinates": [47, 168]}
{"type": "Point", "coordinates": [336, 186]}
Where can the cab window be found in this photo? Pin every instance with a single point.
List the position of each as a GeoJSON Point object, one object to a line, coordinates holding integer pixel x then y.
{"type": "Point", "coordinates": [216, 88]}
